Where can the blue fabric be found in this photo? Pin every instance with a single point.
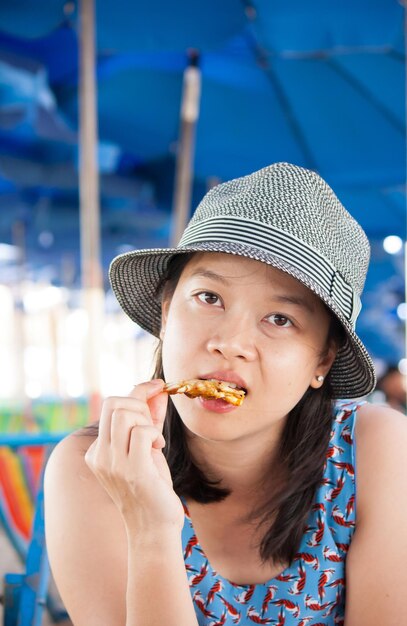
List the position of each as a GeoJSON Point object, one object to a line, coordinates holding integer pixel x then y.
{"type": "Point", "coordinates": [321, 25]}
{"type": "Point", "coordinates": [281, 81]}
{"type": "Point", "coordinates": [292, 25]}
{"type": "Point", "coordinates": [312, 589]}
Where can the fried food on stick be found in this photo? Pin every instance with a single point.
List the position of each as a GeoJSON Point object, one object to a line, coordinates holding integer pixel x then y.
{"type": "Point", "coordinates": [208, 389]}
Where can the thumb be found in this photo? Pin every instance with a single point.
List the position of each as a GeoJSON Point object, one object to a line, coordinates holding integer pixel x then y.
{"type": "Point", "coordinates": [151, 393]}
{"type": "Point", "coordinates": [145, 391]}
{"type": "Point", "coordinates": [158, 409]}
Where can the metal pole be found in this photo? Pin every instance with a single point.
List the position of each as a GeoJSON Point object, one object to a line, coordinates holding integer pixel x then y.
{"type": "Point", "coordinates": [185, 156]}
{"type": "Point", "coordinates": [92, 281]}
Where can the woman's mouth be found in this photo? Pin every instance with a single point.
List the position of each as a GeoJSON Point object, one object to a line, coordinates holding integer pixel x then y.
{"type": "Point", "coordinates": [229, 377]}
{"type": "Point", "coordinates": [210, 389]}
{"type": "Point", "coordinates": [218, 405]}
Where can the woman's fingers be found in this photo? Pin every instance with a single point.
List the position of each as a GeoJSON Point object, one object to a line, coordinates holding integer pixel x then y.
{"type": "Point", "coordinates": [150, 393]}
{"type": "Point", "coordinates": [136, 402]}
{"type": "Point", "coordinates": [113, 409]}
{"type": "Point", "coordinates": [142, 439]}
{"type": "Point", "coordinates": [158, 409]}
{"type": "Point", "coordinates": [120, 415]}
{"type": "Point", "coordinates": [127, 457]}
{"type": "Point", "coordinates": [147, 390]}
{"type": "Point", "coordinates": [122, 422]}
{"type": "Point", "coordinates": [139, 438]}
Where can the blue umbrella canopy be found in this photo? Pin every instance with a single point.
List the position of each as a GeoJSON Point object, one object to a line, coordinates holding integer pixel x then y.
{"type": "Point", "coordinates": [290, 81]}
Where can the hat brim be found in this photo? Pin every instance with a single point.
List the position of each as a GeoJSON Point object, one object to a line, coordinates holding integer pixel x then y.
{"type": "Point", "coordinates": [135, 277]}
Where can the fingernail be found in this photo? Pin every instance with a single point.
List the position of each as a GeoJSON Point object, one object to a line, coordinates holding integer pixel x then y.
{"type": "Point", "coordinates": [157, 382]}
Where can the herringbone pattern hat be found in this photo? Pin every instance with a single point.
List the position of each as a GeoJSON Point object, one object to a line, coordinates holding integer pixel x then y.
{"type": "Point", "coordinates": [285, 216]}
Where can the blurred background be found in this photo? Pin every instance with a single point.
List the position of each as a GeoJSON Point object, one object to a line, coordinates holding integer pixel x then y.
{"type": "Point", "coordinates": [183, 95]}
{"type": "Point", "coordinates": [117, 117]}
{"type": "Point", "coordinates": [98, 160]}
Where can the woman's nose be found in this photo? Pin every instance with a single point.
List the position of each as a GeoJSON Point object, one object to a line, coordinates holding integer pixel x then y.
{"type": "Point", "coordinates": [234, 339]}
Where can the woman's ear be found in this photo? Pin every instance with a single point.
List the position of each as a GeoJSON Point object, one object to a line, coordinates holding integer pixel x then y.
{"type": "Point", "coordinates": [329, 357]}
{"type": "Point", "coordinates": [324, 365]}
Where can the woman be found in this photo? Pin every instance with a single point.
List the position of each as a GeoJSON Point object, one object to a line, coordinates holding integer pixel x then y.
{"type": "Point", "coordinates": [240, 514]}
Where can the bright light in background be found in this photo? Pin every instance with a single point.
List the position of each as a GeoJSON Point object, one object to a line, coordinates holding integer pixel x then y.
{"type": "Point", "coordinates": [402, 311]}
{"type": "Point", "coordinates": [117, 378]}
{"type": "Point", "coordinates": [403, 367]}
{"type": "Point", "coordinates": [111, 331]}
{"type": "Point", "coordinates": [76, 325]}
{"type": "Point", "coordinates": [392, 244]}
{"type": "Point", "coordinates": [39, 299]}
{"type": "Point", "coordinates": [43, 348]}
{"type": "Point", "coordinates": [37, 359]}
{"type": "Point", "coordinates": [33, 389]}
{"type": "Point", "coordinates": [75, 388]}
{"type": "Point", "coordinates": [127, 359]}
{"type": "Point", "coordinates": [46, 239]}
{"type": "Point", "coordinates": [8, 253]}
{"type": "Point", "coordinates": [70, 369]}
{"type": "Point", "coordinates": [6, 306]}
{"type": "Point", "coordinates": [11, 374]}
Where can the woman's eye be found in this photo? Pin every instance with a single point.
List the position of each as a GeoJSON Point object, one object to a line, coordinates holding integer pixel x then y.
{"type": "Point", "coordinates": [209, 298]}
{"type": "Point", "coordinates": [280, 320]}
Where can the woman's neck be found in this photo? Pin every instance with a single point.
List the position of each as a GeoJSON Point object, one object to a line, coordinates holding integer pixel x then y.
{"type": "Point", "coordinates": [243, 466]}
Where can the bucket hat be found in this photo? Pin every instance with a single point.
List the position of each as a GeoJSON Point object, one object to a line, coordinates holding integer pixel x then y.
{"type": "Point", "coordinates": [283, 215]}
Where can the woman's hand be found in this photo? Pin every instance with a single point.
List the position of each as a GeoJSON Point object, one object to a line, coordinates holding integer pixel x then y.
{"type": "Point", "coordinates": [127, 459]}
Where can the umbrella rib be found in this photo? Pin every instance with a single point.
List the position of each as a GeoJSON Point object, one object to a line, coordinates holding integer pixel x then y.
{"type": "Point", "coordinates": [288, 111]}
{"type": "Point", "coordinates": [397, 55]}
{"type": "Point", "coordinates": [367, 95]}
{"type": "Point", "coordinates": [264, 63]}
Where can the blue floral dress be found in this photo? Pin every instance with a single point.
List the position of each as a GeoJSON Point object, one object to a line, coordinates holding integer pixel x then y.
{"type": "Point", "coordinates": [312, 590]}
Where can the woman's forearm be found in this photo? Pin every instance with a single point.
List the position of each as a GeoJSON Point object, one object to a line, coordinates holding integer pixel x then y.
{"type": "Point", "coordinates": [157, 587]}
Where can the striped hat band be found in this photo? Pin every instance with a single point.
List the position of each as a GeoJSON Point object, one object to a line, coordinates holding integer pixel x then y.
{"type": "Point", "coordinates": [227, 228]}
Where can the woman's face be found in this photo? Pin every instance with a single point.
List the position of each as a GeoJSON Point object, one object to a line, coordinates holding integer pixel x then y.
{"type": "Point", "coordinates": [240, 320]}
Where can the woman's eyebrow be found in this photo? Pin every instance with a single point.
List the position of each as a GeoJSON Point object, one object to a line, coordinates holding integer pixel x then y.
{"type": "Point", "coordinates": [209, 274]}
{"type": "Point", "coordinates": [297, 300]}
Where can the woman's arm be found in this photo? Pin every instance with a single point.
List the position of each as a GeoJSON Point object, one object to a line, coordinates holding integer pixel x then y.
{"type": "Point", "coordinates": [157, 588]}
{"type": "Point", "coordinates": [376, 563]}
{"type": "Point", "coordinates": [86, 538]}
{"type": "Point", "coordinates": [113, 523]}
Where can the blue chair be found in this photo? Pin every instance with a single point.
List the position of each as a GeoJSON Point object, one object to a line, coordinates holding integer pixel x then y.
{"type": "Point", "coordinates": [26, 595]}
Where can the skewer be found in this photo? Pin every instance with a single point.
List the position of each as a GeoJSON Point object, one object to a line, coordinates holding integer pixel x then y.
{"type": "Point", "coordinates": [216, 389]}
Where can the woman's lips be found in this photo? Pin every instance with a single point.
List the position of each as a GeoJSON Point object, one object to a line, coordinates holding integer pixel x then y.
{"type": "Point", "coordinates": [216, 405]}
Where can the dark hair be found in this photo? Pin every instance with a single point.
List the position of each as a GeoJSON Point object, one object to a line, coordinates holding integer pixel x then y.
{"type": "Point", "coordinates": [299, 459]}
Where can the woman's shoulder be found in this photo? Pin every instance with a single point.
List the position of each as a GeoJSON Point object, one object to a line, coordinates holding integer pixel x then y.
{"type": "Point", "coordinates": [370, 421]}
{"type": "Point", "coordinates": [376, 558]}
{"type": "Point", "coordinates": [381, 462]}
{"type": "Point", "coordinates": [77, 441]}
{"type": "Point", "coordinates": [68, 456]}
{"type": "Point", "coordinates": [67, 469]}
{"type": "Point", "coordinates": [369, 442]}
{"type": "Point", "coordinates": [378, 425]}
